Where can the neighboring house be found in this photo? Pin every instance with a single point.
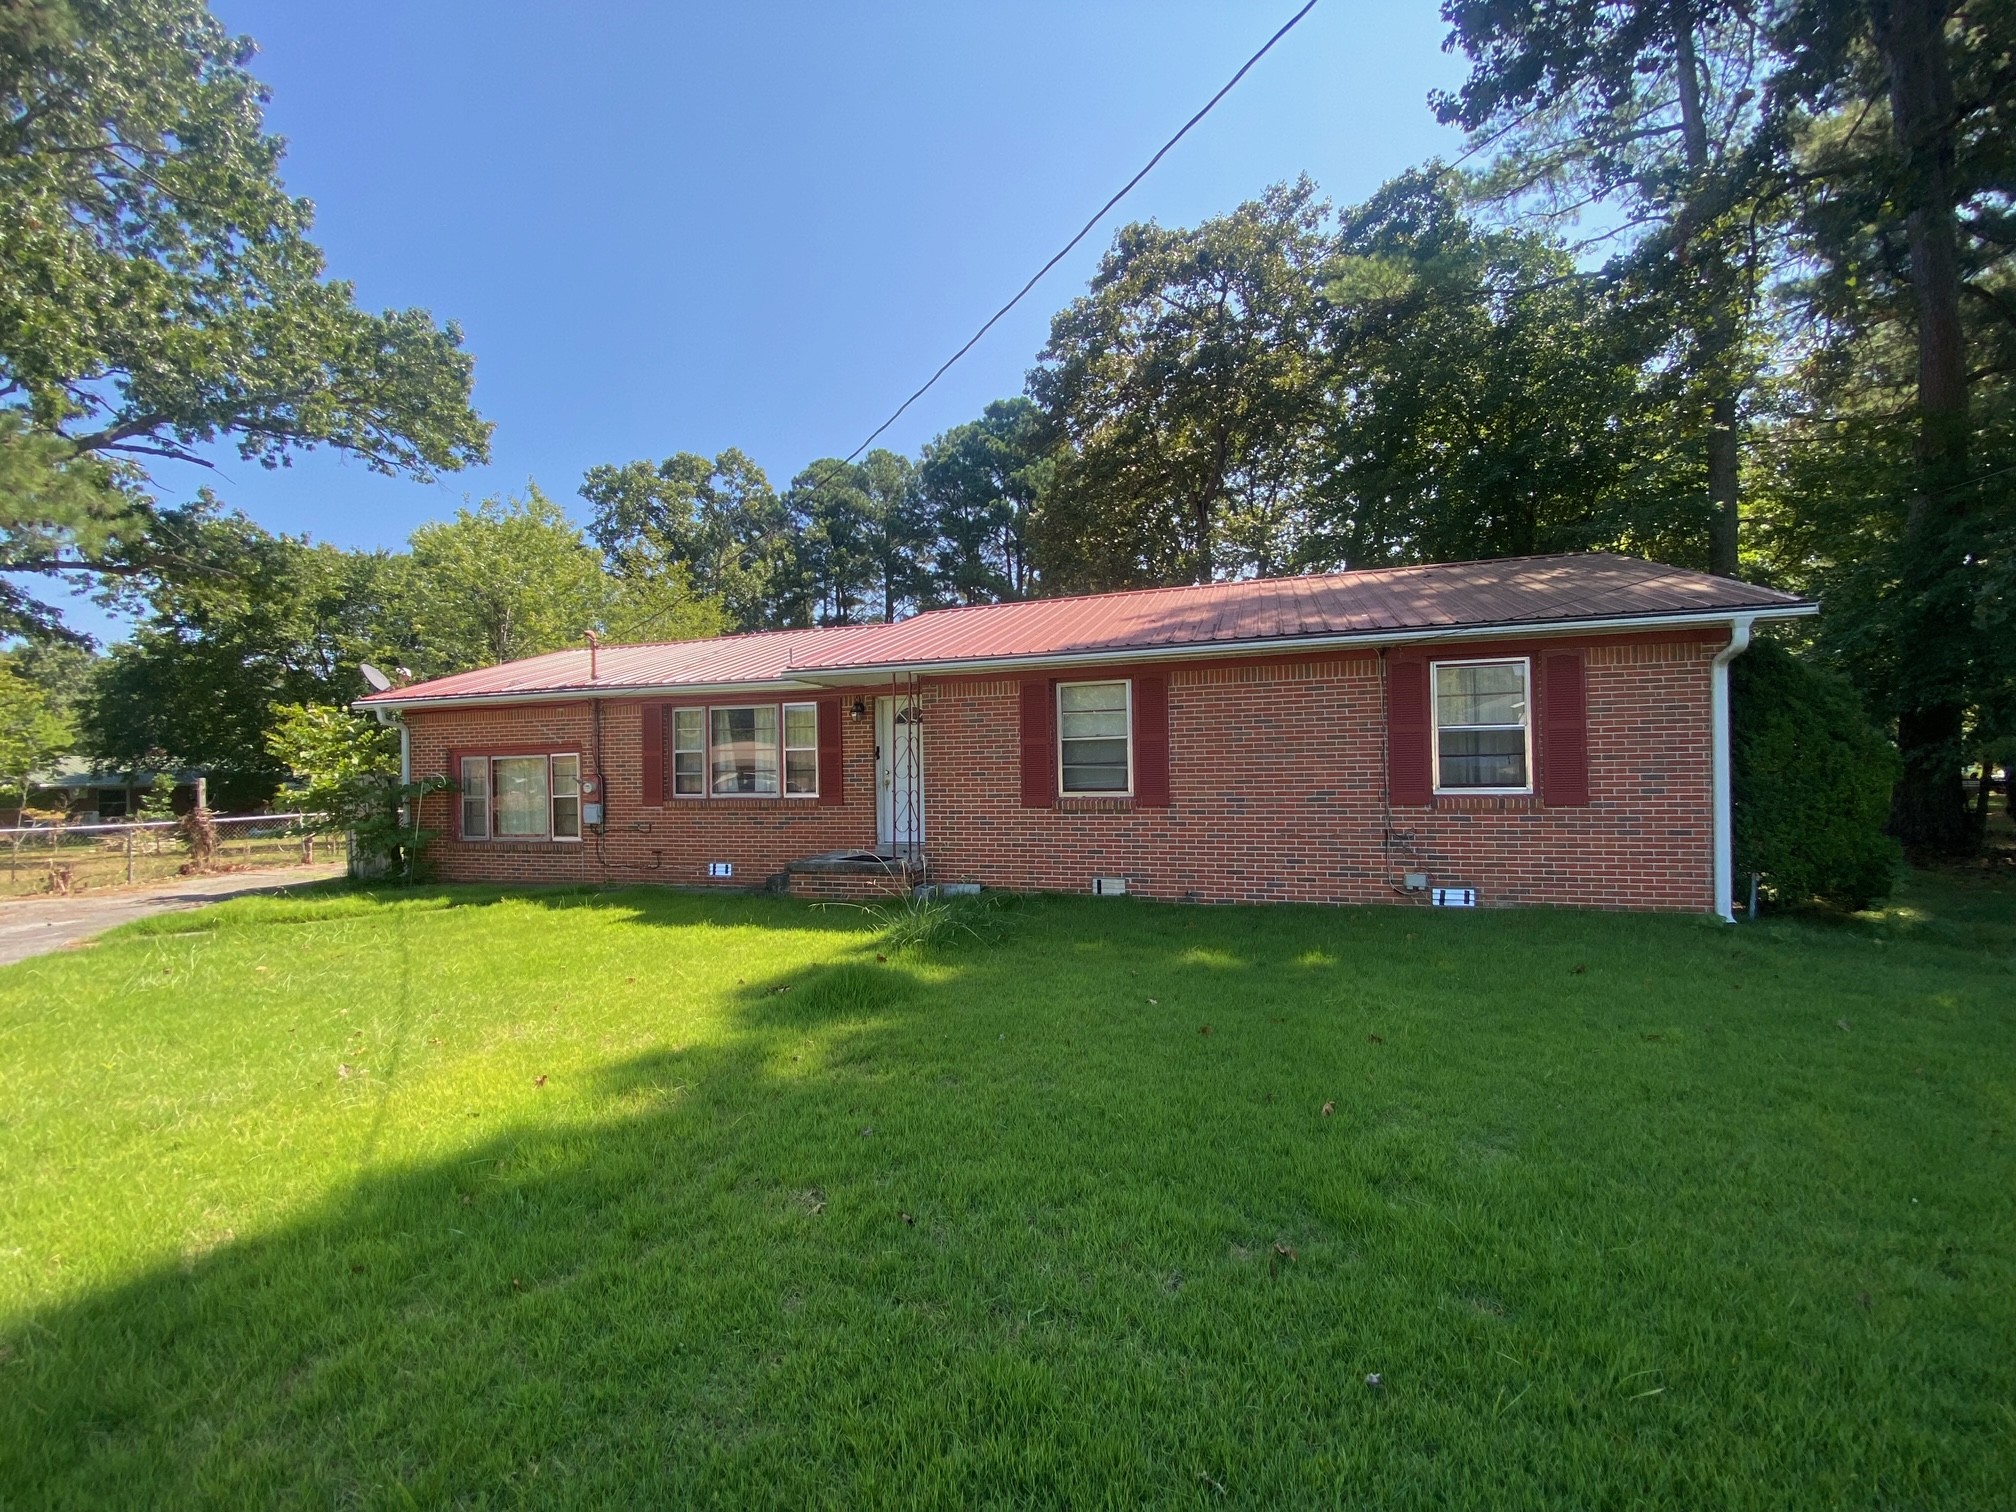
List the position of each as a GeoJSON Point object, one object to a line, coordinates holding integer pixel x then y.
{"type": "Point", "coordinates": [89, 794]}
{"type": "Point", "coordinates": [1541, 730]}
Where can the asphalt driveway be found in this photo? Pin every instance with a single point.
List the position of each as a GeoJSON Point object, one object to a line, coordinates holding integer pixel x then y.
{"type": "Point", "coordinates": [33, 926]}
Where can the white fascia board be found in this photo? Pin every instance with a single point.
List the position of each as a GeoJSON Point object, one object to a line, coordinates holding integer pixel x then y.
{"type": "Point", "coordinates": [1369, 639]}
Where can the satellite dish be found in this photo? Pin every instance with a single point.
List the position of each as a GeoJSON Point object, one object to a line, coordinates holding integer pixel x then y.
{"type": "Point", "coordinates": [380, 683]}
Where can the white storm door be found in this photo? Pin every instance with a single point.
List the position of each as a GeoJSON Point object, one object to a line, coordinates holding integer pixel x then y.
{"type": "Point", "coordinates": [899, 774]}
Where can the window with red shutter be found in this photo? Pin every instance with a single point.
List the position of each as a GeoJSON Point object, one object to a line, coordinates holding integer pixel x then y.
{"type": "Point", "coordinates": [1564, 730]}
{"type": "Point", "coordinates": [1408, 755]}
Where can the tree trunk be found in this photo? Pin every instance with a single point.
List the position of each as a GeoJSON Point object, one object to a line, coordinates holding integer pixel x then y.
{"type": "Point", "coordinates": [1723, 459]}
{"type": "Point", "coordinates": [1716, 343]}
{"type": "Point", "coordinates": [1935, 591]}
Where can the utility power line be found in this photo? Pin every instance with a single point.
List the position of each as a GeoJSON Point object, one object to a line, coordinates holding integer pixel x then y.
{"type": "Point", "coordinates": [1083, 231]}
{"type": "Point", "coordinates": [1063, 251]}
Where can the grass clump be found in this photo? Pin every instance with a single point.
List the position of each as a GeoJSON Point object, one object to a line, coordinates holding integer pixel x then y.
{"type": "Point", "coordinates": [469, 1197]}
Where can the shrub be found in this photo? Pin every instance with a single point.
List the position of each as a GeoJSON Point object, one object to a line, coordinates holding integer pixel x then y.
{"type": "Point", "coordinates": [350, 771]}
{"type": "Point", "coordinates": [1811, 783]}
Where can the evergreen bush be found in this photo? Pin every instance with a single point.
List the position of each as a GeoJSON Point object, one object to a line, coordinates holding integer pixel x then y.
{"type": "Point", "coordinates": [1811, 784]}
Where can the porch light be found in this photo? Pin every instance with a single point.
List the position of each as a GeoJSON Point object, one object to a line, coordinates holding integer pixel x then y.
{"type": "Point", "coordinates": [859, 710]}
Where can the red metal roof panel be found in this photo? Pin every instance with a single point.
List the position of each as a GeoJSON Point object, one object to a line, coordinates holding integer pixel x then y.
{"type": "Point", "coordinates": [1504, 593]}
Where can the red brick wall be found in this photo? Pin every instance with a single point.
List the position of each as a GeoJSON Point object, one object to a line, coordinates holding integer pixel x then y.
{"type": "Point", "coordinates": [1276, 785]}
{"type": "Point", "coordinates": [641, 841]}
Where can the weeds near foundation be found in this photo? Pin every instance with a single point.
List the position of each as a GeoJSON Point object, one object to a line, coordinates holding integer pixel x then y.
{"type": "Point", "coordinates": [922, 922]}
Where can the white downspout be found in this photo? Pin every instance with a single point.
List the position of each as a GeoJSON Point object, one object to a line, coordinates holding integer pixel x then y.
{"type": "Point", "coordinates": [1724, 846]}
{"type": "Point", "coordinates": [389, 717]}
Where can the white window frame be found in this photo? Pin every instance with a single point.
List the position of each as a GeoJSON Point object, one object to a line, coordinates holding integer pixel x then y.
{"type": "Point", "coordinates": [784, 749]}
{"type": "Point", "coordinates": [672, 753]}
{"type": "Point", "coordinates": [1057, 714]}
{"type": "Point", "coordinates": [490, 798]}
{"type": "Point", "coordinates": [1435, 725]}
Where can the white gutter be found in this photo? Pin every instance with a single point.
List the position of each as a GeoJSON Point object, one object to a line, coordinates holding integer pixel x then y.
{"type": "Point", "coordinates": [391, 717]}
{"type": "Point", "coordinates": [1723, 850]}
{"type": "Point", "coordinates": [814, 679]}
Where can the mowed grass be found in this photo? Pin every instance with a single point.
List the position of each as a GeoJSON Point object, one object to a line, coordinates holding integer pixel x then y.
{"type": "Point", "coordinates": [626, 1199]}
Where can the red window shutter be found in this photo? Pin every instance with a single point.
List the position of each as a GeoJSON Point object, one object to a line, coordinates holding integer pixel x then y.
{"type": "Point", "coordinates": [654, 716]}
{"type": "Point", "coordinates": [1564, 730]}
{"type": "Point", "coordinates": [1151, 740]}
{"type": "Point", "coordinates": [1408, 753]}
{"type": "Point", "coordinates": [832, 762]}
{"type": "Point", "coordinates": [1039, 756]}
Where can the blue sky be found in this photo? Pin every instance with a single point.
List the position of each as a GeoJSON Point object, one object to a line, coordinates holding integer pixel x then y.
{"type": "Point", "coordinates": [683, 227]}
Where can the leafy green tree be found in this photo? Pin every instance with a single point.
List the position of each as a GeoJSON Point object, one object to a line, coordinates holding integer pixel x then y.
{"type": "Point", "coordinates": [978, 485]}
{"type": "Point", "coordinates": [256, 622]}
{"type": "Point", "coordinates": [1485, 399]}
{"type": "Point", "coordinates": [507, 579]}
{"type": "Point", "coordinates": [1179, 395]}
{"type": "Point", "coordinates": [1654, 111]}
{"type": "Point", "coordinates": [32, 732]}
{"type": "Point", "coordinates": [866, 537]}
{"type": "Point", "coordinates": [159, 292]}
{"type": "Point", "coordinates": [649, 599]}
{"type": "Point", "coordinates": [348, 766]}
{"type": "Point", "coordinates": [719, 518]}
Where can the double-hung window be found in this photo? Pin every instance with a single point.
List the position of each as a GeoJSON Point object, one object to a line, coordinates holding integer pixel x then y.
{"type": "Point", "coordinates": [746, 751]}
{"type": "Point", "coordinates": [1483, 733]}
{"type": "Point", "coordinates": [521, 797]}
{"type": "Point", "coordinates": [1095, 748]}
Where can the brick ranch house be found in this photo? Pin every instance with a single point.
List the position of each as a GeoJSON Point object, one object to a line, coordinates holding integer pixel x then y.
{"type": "Point", "coordinates": [1543, 730]}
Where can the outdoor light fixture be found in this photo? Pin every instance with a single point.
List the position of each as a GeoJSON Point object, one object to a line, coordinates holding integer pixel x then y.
{"type": "Point", "coordinates": [859, 709]}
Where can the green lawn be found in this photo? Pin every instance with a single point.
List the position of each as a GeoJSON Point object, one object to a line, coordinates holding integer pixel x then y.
{"type": "Point", "coordinates": [636, 1199]}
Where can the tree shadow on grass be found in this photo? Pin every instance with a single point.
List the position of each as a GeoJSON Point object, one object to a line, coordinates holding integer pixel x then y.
{"type": "Point", "coordinates": [863, 1250]}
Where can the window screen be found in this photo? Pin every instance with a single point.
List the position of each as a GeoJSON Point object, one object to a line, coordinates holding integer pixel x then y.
{"type": "Point", "coordinates": [566, 797]}
{"type": "Point", "coordinates": [1092, 737]}
{"type": "Point", "coordinates": [689, 753]}
{"type": "Point", "coordinates": [475, 798]}
{"type": "Point", "coordinates": [1480, 725]}
{"type": "Point", "coordinates": [801, 749]}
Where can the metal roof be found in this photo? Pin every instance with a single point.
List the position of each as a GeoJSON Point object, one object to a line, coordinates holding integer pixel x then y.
{"type": "Point", "coordinates": [1380, 604]}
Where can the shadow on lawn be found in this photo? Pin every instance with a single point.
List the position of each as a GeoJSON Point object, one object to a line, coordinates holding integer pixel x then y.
{"type": "Point", "coordinates": [591, 1309]}
{"type": "Point", "coordinates": [832, 1259]}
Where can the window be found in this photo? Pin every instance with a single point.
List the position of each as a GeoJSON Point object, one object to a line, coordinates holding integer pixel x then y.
{"type": "Point", "coordinates": [521, 797]}
{"type": "Point", "coordinates": [1481, 727]}
{"type": "Point", "coordinates": [760, 751]}
{"type": "Point", "coordinates": [566, 797]}
{"type": "Point", "coordinates": [475, 798]}
{"type": "Point", "coordinates": [801, 750]}
{"type": "Point", "coordinates": [111, 803]}
{"type": "Point", "coordinates": [745, 751]}
{"type": "Point", "coordinates": [1094, 750]}
{"type": "Point", "coordinates": [689, 753]}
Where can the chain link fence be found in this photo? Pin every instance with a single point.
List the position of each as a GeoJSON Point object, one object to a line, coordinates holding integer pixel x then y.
{"type": "Point", "coordinates": [61, 859]}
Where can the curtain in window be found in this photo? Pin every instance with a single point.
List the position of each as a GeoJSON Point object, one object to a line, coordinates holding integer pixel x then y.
{"type": "Point", "coordinates": [519, 787]}
{"type": "Point", "coordinates": [745, 751]}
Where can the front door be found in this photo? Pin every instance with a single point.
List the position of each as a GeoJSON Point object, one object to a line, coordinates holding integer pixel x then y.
{"type": "Point", "coordinates": [899, 774]}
